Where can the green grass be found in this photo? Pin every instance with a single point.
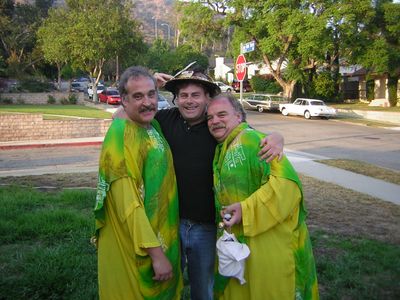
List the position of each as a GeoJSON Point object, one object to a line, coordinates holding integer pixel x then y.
{"type": "Point", "coordinates": [364, 106]}
{"type": "Point", "coordinates": [46, 254]}
{"type": "Point", "coordinates": [352, 268]}
{"type": "Point", "coordinates": [45, 249]}
{"type": "Point", "coordinates": [363, 168]}
{"type": "Point", "coordinates": [64, 110]}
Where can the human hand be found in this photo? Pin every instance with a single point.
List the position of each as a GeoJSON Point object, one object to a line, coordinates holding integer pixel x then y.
{"type": "Point", "coordinates": [161, 266]}
{"type": "Point", "coordinates": [235, 210]}
{"type": "Point", "coordinates": [272, 146]}
{"type": "Point", "coordinates": [120, 113]}
{"type": "Point", "coordinates": [161, 79]}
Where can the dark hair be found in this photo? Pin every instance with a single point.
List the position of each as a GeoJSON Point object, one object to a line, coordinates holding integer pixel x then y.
{"type": "Point", "coordinates": [237, 106]}
{"type": "Point", "coordinates": [133, 72]}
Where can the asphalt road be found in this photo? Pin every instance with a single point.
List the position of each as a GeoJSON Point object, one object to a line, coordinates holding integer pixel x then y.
{"type": "Point", "coordinates": [328, 138]}
{"type": "Point", "coordinates": [333, 138]}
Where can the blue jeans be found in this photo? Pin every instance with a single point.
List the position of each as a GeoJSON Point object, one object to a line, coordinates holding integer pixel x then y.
{"type": "Point", "coordinates": [198, 254]}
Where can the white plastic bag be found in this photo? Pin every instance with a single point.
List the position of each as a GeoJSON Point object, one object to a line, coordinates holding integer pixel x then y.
{"type": "Point", "coordinates": [232, 256]}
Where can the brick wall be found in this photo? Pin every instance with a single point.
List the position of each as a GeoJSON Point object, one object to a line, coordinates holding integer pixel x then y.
{"type": "Point", "coordinates": [24, 127]}
{"type": "Point", "coordinates": [39, 98]}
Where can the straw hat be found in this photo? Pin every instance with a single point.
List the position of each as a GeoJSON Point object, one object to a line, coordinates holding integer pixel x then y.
{"type": "Point", "coordinates": [195, 77]}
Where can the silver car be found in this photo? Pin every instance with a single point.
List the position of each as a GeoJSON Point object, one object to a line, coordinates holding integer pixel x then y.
{"type": "Point", "coordinates": [162, 102]}
{"type": "Point", "coordinates": [262, 102]}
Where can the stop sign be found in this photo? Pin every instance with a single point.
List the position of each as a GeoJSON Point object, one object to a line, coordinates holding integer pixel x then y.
{"type": "Point", "coordinates": [240, 67]}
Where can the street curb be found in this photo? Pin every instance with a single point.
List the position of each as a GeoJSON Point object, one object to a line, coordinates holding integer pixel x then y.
{"type": "Point", "coordinates": [48, 145]}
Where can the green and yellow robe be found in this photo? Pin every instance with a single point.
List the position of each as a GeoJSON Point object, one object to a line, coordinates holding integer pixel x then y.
{"type": "Point", "coordinates": [281, 264]}
{"type": "Point", "coordinates": [136, 208]}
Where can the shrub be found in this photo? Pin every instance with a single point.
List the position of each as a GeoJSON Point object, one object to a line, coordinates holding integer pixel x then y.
{"type": "Point", "coordinates": [51, 99]}
{"type": "Point", "coordinates": [64, 101]}
{"type": "Point", "coordinates": [20, 100]}
{"type": "Point", "coordinates": [265, 83]}
{"type": "Point", "coordinates": [324, 86]}
{"type": "Point", "coordinates": [72, 99]}
{"type": "Point", "coordinates": [35, 86]}
{"type": "Point", "coordinates": [6, 100]}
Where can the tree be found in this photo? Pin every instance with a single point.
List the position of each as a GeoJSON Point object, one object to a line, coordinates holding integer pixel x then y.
{"type": "Point", "coordinates": [98, 31]}
{"type": "Point", "coordinates": [161, 58]}
{"type": "Point", "coordinates": [53, 41]}
{"type": "Point", "coordinates": [18, 24]}
{"type": "Point", "coordinates": [207, 23]}
{"type": "Point", "coordinates": [296, 38]}
{"type": "Point", "coordinates": [382, 45]}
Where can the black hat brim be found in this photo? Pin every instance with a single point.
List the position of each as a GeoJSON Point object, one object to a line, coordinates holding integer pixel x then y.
{"type": "Point", "coordinates": [173, 85]}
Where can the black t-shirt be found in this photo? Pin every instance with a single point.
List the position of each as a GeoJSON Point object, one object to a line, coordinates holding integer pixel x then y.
{"type": "Point", "coordinates": [193, 150]}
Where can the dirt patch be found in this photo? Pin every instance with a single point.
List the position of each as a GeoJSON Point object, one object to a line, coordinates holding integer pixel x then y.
{"type": "Point", "coordinates": [79, 180]}
{"type": "Point", "coordinates": [331, 208]}
{"type": "Point", "coordinates": [342, 211]}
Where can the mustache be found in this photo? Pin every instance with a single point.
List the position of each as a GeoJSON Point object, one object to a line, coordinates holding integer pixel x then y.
{"type": "Point", "coordinates": [146, 108]}
{"type": "Point", "coordinates": [217, 127]}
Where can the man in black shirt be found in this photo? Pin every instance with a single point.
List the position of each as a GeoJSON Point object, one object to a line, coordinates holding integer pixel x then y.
{"type": "Point", "coordinates": [185, 129]}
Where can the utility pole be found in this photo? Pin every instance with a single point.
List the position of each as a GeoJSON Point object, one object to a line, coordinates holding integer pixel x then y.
{"type": "Point", "coordinates": [169, 30]}
{"type": "Point", "coordinates": [155, 27]}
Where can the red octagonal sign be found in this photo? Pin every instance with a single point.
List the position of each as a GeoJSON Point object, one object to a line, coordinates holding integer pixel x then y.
{"type": "Point", "coordinates": [240, 67]}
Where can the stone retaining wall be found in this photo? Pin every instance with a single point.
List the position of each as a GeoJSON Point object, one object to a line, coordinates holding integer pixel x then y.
{"type": "Point", "coordinates": [39, 98]}
{"type": "Point", "coordinates": [24, 127]}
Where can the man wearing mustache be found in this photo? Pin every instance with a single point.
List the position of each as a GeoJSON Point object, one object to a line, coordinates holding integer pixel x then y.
{"type": "Point", "coordinates": [136, 208]}
{"type": "Point", "coordinates": [262, 204]}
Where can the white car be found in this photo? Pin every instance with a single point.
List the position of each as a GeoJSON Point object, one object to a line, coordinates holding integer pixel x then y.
{"type": "Point", "coordinates": [100, 88]}
{"type": "Point", "coordinates": [224, 87]}
{"type": "Point", "coordinates": [308, 108]}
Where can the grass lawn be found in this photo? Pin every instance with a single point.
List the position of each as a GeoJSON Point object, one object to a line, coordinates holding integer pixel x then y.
{"type": "Point", "coordinates": [364, 106]}
{"type": "Point", "coordinates": [364, 169]}
{"type": "Point", "coordinates": [57, 110]}
{"type": "Point", "coordinates": [46, 254]}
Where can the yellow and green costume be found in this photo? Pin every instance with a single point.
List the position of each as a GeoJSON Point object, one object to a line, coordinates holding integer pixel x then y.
{"type": "Point", "coordinates": [281, 264]}
{"type": "Point", "coordinates": [136, 208]}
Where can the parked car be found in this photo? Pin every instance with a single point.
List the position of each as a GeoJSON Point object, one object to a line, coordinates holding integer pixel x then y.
{"type": "Point", "coordinates": [100, 88]}
{"type": "Point", "coordinates": [246, 86]}
{"type": "Point", "coordinates": [262, 102]}
{"type": "Point", "coordinates": [308, 108]}
{"type": "Point", "coordinates": [224, 87]}
{"type": "Point", "coordinates": [82, 79]}
{"type": "Point", "coordinates": [110, 96]}
{"type": "Point", "coordinates": [162, 102]}
{"type": "Point", "coordinates": [77, 87]}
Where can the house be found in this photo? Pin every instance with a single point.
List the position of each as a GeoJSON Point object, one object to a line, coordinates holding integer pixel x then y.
{"type": "Point", "coordinates": [360, 85]}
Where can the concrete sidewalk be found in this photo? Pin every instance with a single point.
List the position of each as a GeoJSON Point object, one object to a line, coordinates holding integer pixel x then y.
{"type": "Point", "coordinates": [303, 162]}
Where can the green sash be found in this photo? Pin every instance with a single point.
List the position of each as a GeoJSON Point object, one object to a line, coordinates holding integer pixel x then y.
{"type": "Point", "coordinates": [144, 155]}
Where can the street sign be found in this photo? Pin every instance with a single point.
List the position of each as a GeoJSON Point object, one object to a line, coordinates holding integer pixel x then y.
{"type": "Point", "coordinates": [240, 67]}
{"type": "Point", "coordinates": [249, 47]}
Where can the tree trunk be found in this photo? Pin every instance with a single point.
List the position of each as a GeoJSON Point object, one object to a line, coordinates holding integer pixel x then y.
{"type": "Point", "coordinates": [58, 77]}
{"type": "Point", "coordinates": [288, 88]}
{"type": "Point", "coordinates": [117, 69]}
{"type": "Point", "coordinates": [392, 87]}
{"type": "Point", "coordinates": [335, 72]}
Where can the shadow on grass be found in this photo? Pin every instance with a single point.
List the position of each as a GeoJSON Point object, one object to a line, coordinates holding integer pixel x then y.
{"type": "Point", "coordinates": [46, 254]}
